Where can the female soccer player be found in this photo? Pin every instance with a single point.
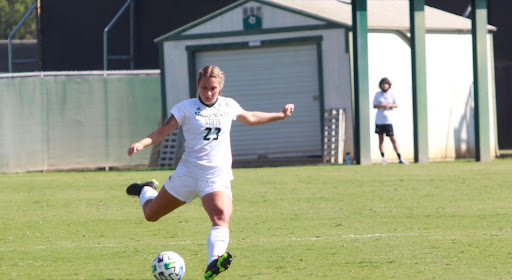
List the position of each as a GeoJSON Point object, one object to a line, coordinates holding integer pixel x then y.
{"type": "Point", "coordinates": [205, 167]}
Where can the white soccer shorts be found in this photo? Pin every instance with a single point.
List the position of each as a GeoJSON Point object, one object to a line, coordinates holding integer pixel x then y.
{"type": "Point", "coordinates": [186, 188]}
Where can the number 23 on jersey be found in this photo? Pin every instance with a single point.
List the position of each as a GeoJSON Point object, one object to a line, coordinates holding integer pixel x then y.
{"type": "Point", "coordinates": [209, 130]}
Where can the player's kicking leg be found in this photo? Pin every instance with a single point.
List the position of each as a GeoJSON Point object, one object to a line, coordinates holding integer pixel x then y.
{"type": "Point", "coordinates": [136, 188]}
{"type": "Point", "coordinates": [154, 204]}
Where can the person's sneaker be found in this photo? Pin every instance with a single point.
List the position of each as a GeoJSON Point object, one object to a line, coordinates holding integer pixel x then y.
{"type": "Point", "coordinates": [403, 161]}
{"type": "Point", "coordinates": [383, 161]}
{"type": "Point", "coordinates": [136, 188]}
{"type": "Point", "coordinates": [218, 265]}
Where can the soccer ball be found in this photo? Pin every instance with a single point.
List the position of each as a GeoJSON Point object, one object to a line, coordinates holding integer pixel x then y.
{"type": "Point", "coordinates": [168, 265]}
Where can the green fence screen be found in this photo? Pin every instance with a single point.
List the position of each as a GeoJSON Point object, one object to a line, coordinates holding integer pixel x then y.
{"type": "Point", "coordinates": [69, 121]}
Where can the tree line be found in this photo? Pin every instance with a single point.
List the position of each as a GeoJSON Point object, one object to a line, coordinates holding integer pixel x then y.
{"type": "Point", "coordinates": [11, 12]}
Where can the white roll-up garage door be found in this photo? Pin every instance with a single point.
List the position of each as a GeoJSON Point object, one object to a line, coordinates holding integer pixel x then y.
{"type": "Point", "coordinates": [265, 79]}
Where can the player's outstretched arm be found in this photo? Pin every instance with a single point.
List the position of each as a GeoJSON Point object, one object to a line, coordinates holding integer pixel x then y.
{"type": "Point", "coordinates": [156, 136]}
{"type": "Point", "coordinates": [256, 117]}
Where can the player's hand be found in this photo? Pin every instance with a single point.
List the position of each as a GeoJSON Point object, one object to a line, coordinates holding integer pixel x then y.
{"type": "Point", "coordinates": [288, 110]}
{"type": "Point", "coordinates": [135, 147]}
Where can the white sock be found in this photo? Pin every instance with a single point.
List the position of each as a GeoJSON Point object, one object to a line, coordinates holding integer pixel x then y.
{"type": "Point", "coordinates": [217, 242]}
{"type": "Point", "coordinates": [146, 194]}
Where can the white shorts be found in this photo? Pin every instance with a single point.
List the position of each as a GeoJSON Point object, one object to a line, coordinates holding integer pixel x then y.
{"type": "Point", "coordinates": [187, 188]}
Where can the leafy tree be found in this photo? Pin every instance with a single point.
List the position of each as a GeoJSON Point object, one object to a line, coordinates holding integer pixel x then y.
{"type": "Point", "coordinates": [11, 12]}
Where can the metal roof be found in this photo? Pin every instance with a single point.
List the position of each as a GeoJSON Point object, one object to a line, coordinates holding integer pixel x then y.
{"type": "Point", "coordinates": [382, 15]}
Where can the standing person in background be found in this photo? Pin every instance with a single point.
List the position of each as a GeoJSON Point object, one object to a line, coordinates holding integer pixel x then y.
{"type": "Point", "coordinates": [385, 102]}
{"type": "Point", "coordinates": [205, 167]}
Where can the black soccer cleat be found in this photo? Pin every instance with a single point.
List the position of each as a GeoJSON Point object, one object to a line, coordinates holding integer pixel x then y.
{"type": "Point", "coordinates": [136, 188]}
{"type": "Point", "coordinates": [218, 265]}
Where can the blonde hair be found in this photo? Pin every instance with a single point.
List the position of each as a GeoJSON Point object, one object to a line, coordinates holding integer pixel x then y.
{"type": "Point", "coordinates": [211, 71]}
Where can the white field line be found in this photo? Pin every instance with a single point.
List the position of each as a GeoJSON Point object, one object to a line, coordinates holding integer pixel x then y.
{"type": "Point", "coordinates": [83, 246]}
{"type": "Point", "coordinates": [376, 235]}
{"type": "Point", "coordinates": [361, 236]}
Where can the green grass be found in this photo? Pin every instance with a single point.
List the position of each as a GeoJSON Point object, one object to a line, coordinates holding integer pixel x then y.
{"type": "Point", "coordinates": [448, 220]}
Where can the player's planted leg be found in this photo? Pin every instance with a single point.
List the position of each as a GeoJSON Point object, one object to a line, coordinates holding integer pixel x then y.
{"type": "Point", "coordinates": [219, 206]}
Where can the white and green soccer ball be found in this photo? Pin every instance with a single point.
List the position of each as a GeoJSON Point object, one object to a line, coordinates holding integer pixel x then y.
{"type": "Point", "coordinates": [168, 265]}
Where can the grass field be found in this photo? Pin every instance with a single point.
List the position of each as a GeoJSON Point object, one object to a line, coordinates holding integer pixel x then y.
{"type": "Point", "coordinates": [447, 220]}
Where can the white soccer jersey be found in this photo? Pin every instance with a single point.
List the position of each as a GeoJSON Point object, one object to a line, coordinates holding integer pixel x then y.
{"type": "Point", "coordinates": [384, 116]}
{"type": "Point", "coordinates": [207, 137]}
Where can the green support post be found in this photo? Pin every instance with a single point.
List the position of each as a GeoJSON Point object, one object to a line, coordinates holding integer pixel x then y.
{"type": "Point", "coordinates": [362, 153]}
{"type": "Point", "coordinates": [480, 72]}
{"type": "Point", "coordinates": [419, 80]}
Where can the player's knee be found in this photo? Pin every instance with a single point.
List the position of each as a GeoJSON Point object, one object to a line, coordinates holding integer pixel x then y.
{"type": "Point", "coordinates": [220, 219]}
{"type": "Point", "coordinates": [221, 216]}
